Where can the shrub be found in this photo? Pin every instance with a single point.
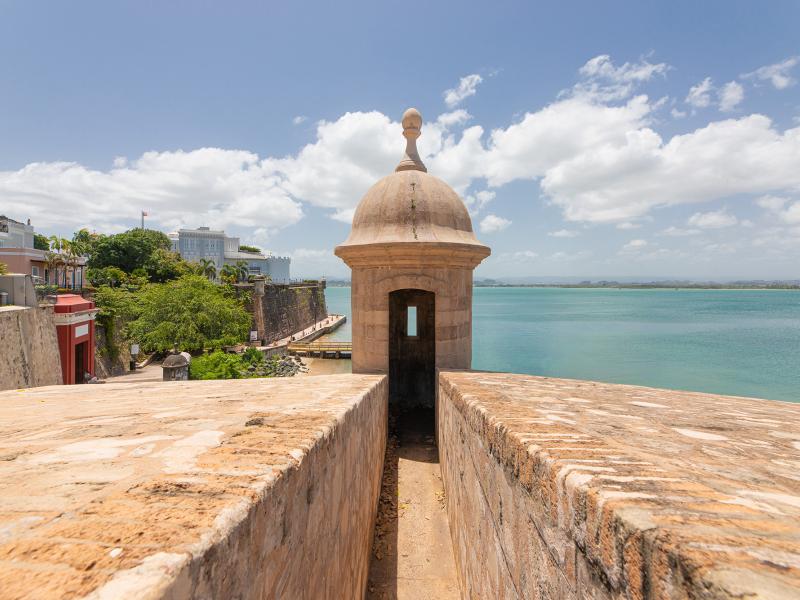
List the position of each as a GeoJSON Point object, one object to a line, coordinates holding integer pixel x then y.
{"type": "Point", "coordinates": [217, 365]}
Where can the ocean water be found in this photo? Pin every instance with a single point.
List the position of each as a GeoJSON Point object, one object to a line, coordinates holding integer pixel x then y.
{"type": "Point", "coordinates": [736, 342]}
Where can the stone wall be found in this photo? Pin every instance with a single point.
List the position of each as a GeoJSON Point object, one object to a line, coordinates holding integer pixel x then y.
{"type": "Point", "coordinates": [29, 354]}
{"type": "Point", "coordinates": [283, 310]}
{"type": "Point", "coordinates": [111, 356]}
{"type": "Point", "coordinates": [243, 489]}
{"type": "Point", "coordinates": [569, 489]}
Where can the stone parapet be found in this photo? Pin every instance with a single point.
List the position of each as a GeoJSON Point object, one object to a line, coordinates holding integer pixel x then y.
{"type": "Point", "coordinates": [570, 489]}
{"type": "Point", "coordinates": [260, 488]}
{"type": "Point", "coordinates": [29, 354]}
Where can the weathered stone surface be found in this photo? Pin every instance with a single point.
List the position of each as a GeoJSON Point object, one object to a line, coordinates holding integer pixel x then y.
{"type": "Point", "coordinates": [283, 310]}
{"type": "Point", "coordinates": [212, 489]}
{"type": "Point", "coordinates": [28, 348]}
{"type": "Point", "coordinates": [570, 489]}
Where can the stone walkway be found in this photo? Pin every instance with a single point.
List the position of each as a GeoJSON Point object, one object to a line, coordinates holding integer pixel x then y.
{"type": "Point", "coordinates": [412, 551]}
{"type": "Point", "coordinates": [151, 372]}
{"type": "Point", "coordinates": [329, 321]}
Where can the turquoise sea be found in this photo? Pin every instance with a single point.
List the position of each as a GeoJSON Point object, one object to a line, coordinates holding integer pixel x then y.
{"type": "Point", "coordinates": [737, 342]}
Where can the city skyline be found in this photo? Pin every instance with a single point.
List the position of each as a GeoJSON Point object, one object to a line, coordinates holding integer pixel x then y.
{"type": "Point", "coordinates": [580, 153]}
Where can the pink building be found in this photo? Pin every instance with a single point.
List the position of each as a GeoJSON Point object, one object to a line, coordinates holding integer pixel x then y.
{"type": "Point", "coordinates": [18, 253]}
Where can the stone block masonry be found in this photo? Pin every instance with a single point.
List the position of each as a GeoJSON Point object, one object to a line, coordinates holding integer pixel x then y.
{"type": "Point", "coordinates": [28, 348]}
{"type": "Point", "coordinates": [570, 489]}
{"type": "Point", "coordinates": [282, 310]}
{"type": "Point", "coordinates": [213, 489]}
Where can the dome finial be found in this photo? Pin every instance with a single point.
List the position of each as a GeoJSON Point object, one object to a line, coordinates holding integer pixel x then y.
{"type": "Point", "coordinates": [412, 126]}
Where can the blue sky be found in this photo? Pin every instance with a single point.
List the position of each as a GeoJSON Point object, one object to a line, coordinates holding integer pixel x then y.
{"type": "Point", "coordinates": [635, 139]}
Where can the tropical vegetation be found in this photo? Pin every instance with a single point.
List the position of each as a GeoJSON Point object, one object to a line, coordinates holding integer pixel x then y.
{"type": "Point", "coordinates": [191, 313]}
{"type": "Point", "coordinates": [223, 365]}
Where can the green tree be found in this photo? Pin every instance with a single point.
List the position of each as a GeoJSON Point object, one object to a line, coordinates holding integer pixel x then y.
{"type": "Point", "coordinates": [52, 262]}
{"type": "Point", "coordinates": [58, 246]}
{"type": "Point", "coordinates": [242, 270]}
{"type": "Point", "coordinates": [3, 268]}
{"type": "Point", "coordinates": [229, 274]}
{"type": "Point", "coordinates": [127, 251]}
{"type": "Point", "coordinates": [40, 242]}
{"type": "Point", "coordinates": [116, 303]}
{"type": "Point", "coordinates": [83, 242]}
{"type": "Point", "coordinates": [208, 268]}
{"type": "Point", "coordinates": [191, 312]}
{"type": "Point", "coordinates": [163, 265]}
{"type": "Point", "coordinates": [110, 276]}
{"type": "Point", "coordinates": [245, 248]}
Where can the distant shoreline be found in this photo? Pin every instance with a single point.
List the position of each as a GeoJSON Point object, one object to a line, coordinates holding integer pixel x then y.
{"type": "Point", "coordinates": [632, 286]}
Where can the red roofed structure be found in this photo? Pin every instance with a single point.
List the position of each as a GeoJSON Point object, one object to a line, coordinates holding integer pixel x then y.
{"type": "Point", "coordinates": [74, 318]}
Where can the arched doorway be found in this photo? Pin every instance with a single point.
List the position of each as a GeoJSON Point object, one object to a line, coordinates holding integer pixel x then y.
{"type": "Point", "coordinates": [412, 351]}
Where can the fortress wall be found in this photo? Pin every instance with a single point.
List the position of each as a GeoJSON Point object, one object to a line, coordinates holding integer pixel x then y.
{"type": "Point", "coordinates": [286, 309]}
{"type": "Point", "coordinates": [569, 489]}
{"type": "Point", "coordinates": [28, 348]}
{"type": "Point", "coordinates": [242, 489]}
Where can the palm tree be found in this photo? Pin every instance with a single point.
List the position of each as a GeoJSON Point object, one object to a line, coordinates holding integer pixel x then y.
{"type": "Point", "coordinates": [208, 268]}
{"type": "Point", "coordinates": [3, 268]}
{"type": "Point", "coordinates": [58, 245]}
{"type": "Point", "coordinates": [52, 260]}
{"type": "Point", "coordinates": [242, 270]}
{"type": "Point", "coordinates": [229, 273]}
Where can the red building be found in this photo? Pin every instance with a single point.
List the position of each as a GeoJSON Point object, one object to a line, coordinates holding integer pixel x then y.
{"type": "Point", "coordinates": [74, 318]}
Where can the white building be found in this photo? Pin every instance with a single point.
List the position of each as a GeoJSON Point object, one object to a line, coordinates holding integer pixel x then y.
{"type": "Point", "coordinates": [212, 244]}
{"type": "Point", "coordinates": [14, 234]}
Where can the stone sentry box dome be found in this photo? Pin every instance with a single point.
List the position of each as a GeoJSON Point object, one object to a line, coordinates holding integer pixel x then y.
{"type": "Point", "coordinates": [412, 252]}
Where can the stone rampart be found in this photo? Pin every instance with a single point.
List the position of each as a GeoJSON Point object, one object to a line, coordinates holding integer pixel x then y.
{"type": "Point", "coordinates": [569, 489]}
{"type": "Point", "coordinates": [283, 310]}
{"type": "Point", "coordinates": [28, 348]}
{"type": "Point", "coordinates": [210, 489]}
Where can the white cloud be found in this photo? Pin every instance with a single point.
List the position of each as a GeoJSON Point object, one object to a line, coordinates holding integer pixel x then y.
{"type": "Point", "coordinates": [312, 254]}
{"type": "Point", "coordinates": [544, 140]}
{"type": "Point", "coordinates": [603, 81]}
{"type": "Point", "coordinates": [602, 67]}
{"type": "Point", "coordinates": [775, 204]}
{"type": "Point", "coordinates": [475, 202]}
{"type": "Point", "coordinates": [779, 74]}
{"type": "Point", "coordinates": [520, 256]}
{"type": "Point", "coordinates": [628, 225]}
{"type": "Point", "coordinates": [493, 224]}
{"type": "Point", "coordinates": [677, 114]}
{"type": "Point", "coordinates": [299, 119]}
{"type": "Point", "coordinates": [456, 117]}
{"type": "Point", "coordinates": [771, 203]}
{"type": "Point", "coordinates": [564, 233]}
{"type": "Point", "coordinates": [716, 219]}
{"type": "Point", "coordinates": [731, 94]}
{"type": "Point", "coordinates": [570, 256]}
{"type": "Point", "coordinates": [679, 232]}
{"type": "Point", "coordinates": [791, 215]}
{"type": "Point", "coordinates": [634, 246]}
{"type": "Point", "coordinates": [633, 171]}
{"type": "Point", "coordinates": [598, 160]}
{"type": "Point", "coordinates": [700, 95]}
{"type": "Point", "coordinates": [467, 87]}
{"type": "Point", "coordinates": [348, 157]}
{"type": "Point", "coordinates": [208, 186]}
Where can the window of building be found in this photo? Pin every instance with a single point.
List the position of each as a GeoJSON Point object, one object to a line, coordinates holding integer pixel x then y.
{"type": "Point", "coordinates": [411, 324]}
